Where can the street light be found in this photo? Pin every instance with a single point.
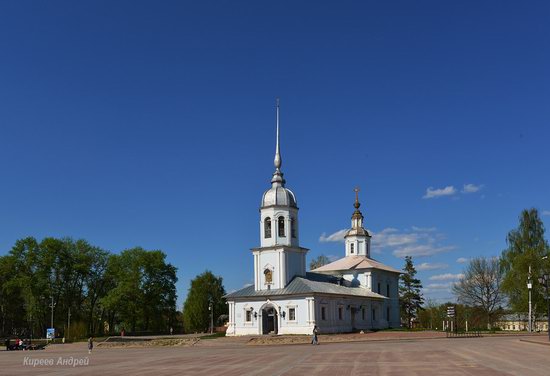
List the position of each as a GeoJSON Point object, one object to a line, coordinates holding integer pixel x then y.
{"type": "Point", "coordinates": [210, 308]}
{"type": "Point", "coordinates": [529, 287]}
{"type": "Point", "coordinates": [52, 306]}
{"type": "Point", "coordinates": [543, 280]}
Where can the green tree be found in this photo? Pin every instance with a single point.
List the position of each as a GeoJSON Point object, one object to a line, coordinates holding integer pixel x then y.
{"type": "Point", "coordinates": [136, 287]}
{"type": "Point", "coordinates": [410, 296]}
{"type": "Point", "coordinates": [318, 262]}
{"type": "Point", "coordinates": [481, 287]}
{"type": "Point", "coordinates": [205, 288]}
{"type": "Point", "coordinates": [144, 294]}
{"type": "Point", "coordinates": [12, 309]}
{"type": "Point", "coordinates": [97, 285]}
{"type": "Point", "coordinates": [526, 247]}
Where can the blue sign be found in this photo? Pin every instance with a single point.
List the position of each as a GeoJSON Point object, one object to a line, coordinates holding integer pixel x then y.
{"type": "Point", "coordinates": [50, 333]}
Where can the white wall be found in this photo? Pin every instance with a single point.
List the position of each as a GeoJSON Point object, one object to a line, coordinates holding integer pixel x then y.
{"type": "Point", "coordinates": [361, 245]}
{"type": "Point", "coordinates": [308, 314]}
{"type": "Point", "coordinates": [384, 278]}
{"type": "Point", "coordinates": [332, 322]}
{"type": "Point", "coordinates": [303, 324]}
{"type": "Point", "coordinates": [392, 279]}
{"type": "Point", "coordinates": [285, 263]}
{"type": "Point", "coordinates": [274, 213]}
{"type": "Point", "coordinates": [295, 264]}
{"type": "Point", "coordinates": [270, 258]}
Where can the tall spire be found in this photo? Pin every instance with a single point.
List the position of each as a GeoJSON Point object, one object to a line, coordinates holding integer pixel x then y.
{"type": "Point", "coordinates": [278, 160]}
{"type": "Point", "coordinates": [277, 178]}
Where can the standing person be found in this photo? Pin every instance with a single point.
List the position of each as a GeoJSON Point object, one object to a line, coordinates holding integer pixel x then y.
{"type": "Point", "coordinates": [171, 330]}
{"type": "Point", "coordinates": [314, 340]}
{"type": "Point", "coordinates": [90, 344]}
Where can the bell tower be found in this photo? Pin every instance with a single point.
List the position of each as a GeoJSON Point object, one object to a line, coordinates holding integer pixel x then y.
{"type": "Point", "coordinates": [279, 257]}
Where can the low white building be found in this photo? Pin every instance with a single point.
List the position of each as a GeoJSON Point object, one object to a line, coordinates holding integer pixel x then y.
{"type": "Point", "coordinates": [353, 293]}
{"type": "Point", "coordinates": [520, 321]}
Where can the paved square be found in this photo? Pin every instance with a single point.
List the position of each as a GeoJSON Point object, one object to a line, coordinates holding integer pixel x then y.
{"type": "Point", "coordinates": [463, 356]}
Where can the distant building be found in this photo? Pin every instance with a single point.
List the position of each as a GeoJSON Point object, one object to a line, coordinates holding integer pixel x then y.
{"type": "Point", "coordinates": [355, 292]}
{"type": "Point", "coordinates": [520, 321]}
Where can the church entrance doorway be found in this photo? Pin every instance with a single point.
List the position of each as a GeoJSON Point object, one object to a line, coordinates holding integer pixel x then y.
{"type": "Point", "coordinates": [269, 320]}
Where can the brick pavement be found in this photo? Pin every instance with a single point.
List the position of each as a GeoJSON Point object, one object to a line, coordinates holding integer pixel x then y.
{"type": "Point", "coordinates": [443, 357]}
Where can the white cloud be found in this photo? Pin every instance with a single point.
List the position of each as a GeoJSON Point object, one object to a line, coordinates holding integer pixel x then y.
{"type": "Point", "coordinates": [462, 260]}
{"type": "Point", "coordinates": [471, 188]}
{"type": "Point", "coordinates": [338, 236]}
{"type": "Point", "coordinates": [446, 277]}
{"type": "Point", "coordinates": [421, 250]}
{"type": "Point", "coordinates": [440, 286]}
{"type": "Point", "coordinates": [424, 229]}
{"type": "Point", "coordinates": [391, 237]}
{"type": "Point", "coordinates": [430, 266]}
{"type": "Point", "coordinates": [440, 192]}
{"type": "Point", "coordinates": [417, 241]}
{"type": "Point", "coordinates": [546, 212]}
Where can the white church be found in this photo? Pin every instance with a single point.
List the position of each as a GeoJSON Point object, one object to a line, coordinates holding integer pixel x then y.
{"type": "Point", "coordinates": [353, 293]}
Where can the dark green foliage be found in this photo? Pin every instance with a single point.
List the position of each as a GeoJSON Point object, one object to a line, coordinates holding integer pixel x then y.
{"type": "Point", "coordinates": [410, 296]}
{"type": "Point", "coordinates": [526, 247]}
{"type": "Point", "coordinates": [144, 295]}
{"type": "Point", "coordinates": [318, 262]}
{"type": "Point", "coordinates": [205, 288]}
{"type": "Point", "coordinates": [86, 281]}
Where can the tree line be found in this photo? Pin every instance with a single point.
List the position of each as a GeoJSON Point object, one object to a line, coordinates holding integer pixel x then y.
{"type": "Point", "coordinates": [100, 292]}
{"type": "Point", "coordinates": [491, 286]}
{"type": "Point", "coordinates": [96, 291]}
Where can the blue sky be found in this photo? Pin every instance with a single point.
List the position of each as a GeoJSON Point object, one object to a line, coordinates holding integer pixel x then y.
{"type": "Point", "coordinates": [152, 124]}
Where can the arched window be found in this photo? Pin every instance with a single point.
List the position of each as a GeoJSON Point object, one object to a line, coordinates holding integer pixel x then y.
{"type": "Point", "coordinates": [267, 228]}
{"type": "Point", "coordinates": [268, 274]}
{"type": "Point", "coordinates": [293, 227]}
{"type": "Point", "coordinates": [282, 227]}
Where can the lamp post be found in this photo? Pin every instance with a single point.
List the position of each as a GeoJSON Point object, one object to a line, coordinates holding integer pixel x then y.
{"type": "Point", "coordinates": [210, 308]}
{"type": "Point", "coordinates": [52, 306]}
{"type": "Point", "coordinates": [529, 287]}
{"type": "Point", "coordinates": [543, 280]}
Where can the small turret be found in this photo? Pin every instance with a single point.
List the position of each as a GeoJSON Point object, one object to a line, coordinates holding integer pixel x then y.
{"type": "Point", "coordinates": [357, 238]}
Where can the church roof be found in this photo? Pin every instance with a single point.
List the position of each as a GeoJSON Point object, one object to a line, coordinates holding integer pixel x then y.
{"type": "Point", "coordinates": [354, 263]}
{"type": "Point", "coordinates": [314, 283]}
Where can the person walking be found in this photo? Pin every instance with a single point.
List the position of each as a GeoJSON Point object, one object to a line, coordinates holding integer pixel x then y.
{"type": "Point", "coordinates": [314, 340]}
{"type": "Point", "coordinates": [90, 344]}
